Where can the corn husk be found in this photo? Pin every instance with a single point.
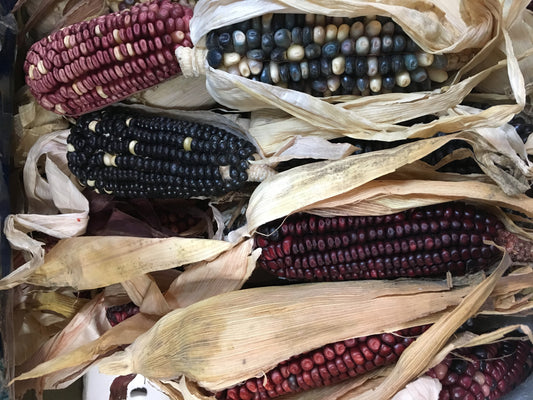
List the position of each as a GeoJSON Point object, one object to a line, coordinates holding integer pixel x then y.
{"type": "Point", "coordinates": [259, 326]}
{"type": "Point", "coordinates": [435, 26]}
{"type": "Point", "coordinates": [198, 282]}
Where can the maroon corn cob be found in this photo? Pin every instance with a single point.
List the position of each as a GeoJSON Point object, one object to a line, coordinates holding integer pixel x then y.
{"type": "Point", "coordinates": [89, 65]}
{"type": "Point", "coordinates": [327, 365]}
{"type": "Point", "coordinates": [425, 241]}
{"type": "Point", "coordinates": [116, 314]}
{"type": "Point", "coordinates": [484, 372]}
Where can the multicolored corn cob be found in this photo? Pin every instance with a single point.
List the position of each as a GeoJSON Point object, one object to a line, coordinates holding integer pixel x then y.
{"type": "Point", "coordinates": [130, 155]}
{"type": "Point", "coordinates": [327, 365]}
{"type": "Point", "coordinates": [484, 372]}
{"type": "Point", "coordinates": [427, 241]}
{"type": "Point", "coordinates": [95, 63]}
{"type": "Point", "coordinates": [326, 56]}
{"type": "Point", "coordinates": [116, 314]}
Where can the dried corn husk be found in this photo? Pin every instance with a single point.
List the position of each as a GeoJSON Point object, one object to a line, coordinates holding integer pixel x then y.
{"type": "Point", "coordinates": [199, 282]}
{"type": "Point", "coordinates": [435, 26]}
{"type": "Point", "coordinates": [259, 327]}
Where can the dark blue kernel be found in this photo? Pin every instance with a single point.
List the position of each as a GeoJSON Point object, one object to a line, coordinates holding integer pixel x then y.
{"type": "Point", "coordinates": [253, 39]}
{"type": "Point", "coordinates": [307, 35]}
{"type": "Point", "coordinates": [296, 35]}
{"type": "Point", "coordinates": [411, 46]}
{"type": "Point", "coordinates": [399, 43]}
{"type": "Point", "coordinates": [225, 42]}
{"type": "Point", "coordinates": [284, 73]}
{"type": "Point", "coordinates": [314, 69]}
{"type": "Point", "coordinates": [362, 84]}
{"type": "Point", "coordinates": [278, 54]}
{"type": "Point", "coordinates": [297, 85]}
{"type": "Point", "coordinates": [348, 83]}
{"type": "Point", "coordinates": [388, 82]}
{"type": "Point", "coordinates": [211, 40]}
{"type": "Point", "coordinates": [330, 49]}
{"type": "Point", "coordinates": [255, 54]}
{"type": "Point", "coordinates": [349, 67]}
{"type": "Point", "coordinates": [325, 67]}
{"type": "Point", "coordinates": [256, 24]}
{"type": "Point", "coordinates": [282, 38]}
{"type": "Point", "coordinates": [312, 51]}
{"type": "Point", "coordinates": [424, 85]}
{"type": "Point", "coordinates": [384, 65]}
{"type": "Point", "coordinates": [397, 63]}
{"type": "Point", "coordinates": [242, 26]}
{"type": "Point", "coordinates": [295, 72]}
{"type": "Point", "coordinates": [319, 85]}
{"type": "Point", "coordinates": [267, 43]}
{"type": "Point", "coordinates": [361, 66]}
{"type": "Point", "coordinates": [410, 61]}
{"type": "Point", "coordinates": [265, 74]}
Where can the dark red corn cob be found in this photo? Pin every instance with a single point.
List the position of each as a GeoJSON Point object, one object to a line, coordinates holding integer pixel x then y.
{"type": "Point", "coordinates": [484, 372]}
{"type": "Point", "coordinates": [327, 365]}
{"type": "Point", "coordinates": [426, 241]}
{"type": "Point", "coordinates": [89, 65]}
{"type": "Point", "coordinates": [116, 314]}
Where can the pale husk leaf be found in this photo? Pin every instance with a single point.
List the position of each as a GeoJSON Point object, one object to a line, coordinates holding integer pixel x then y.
{"type": "Point", "coordinates": [226, 273]}
{"type": "Point", "coordinates": [144, 292]}
{"type": "Point", "coordinates": [263, 322]}
{"type": "Point", "coordinates": [93, 262]}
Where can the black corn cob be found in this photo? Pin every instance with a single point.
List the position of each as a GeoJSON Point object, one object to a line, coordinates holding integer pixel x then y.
{"type": "Point", "coordinates": [327, 365]}
{"type": "Point", "coordinates": [328, 56]}
{"type": "Point", "coordinates": [484, 372]}
{"type": "Point", "coordinates": [91, 64]}
{"type": "Point", "coordinates": [116, 314]}
{"type": "Point", "coordinates": [426, 241]}
{"type": "Point", "coordinates": [130, 155]}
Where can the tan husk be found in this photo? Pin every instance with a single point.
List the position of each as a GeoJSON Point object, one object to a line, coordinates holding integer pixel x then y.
{"type": "Point", "coordinates": [436, 26]}
{"type": "Point", "coordinates": [259, 327]}
{"type": "Point", "coordinates": [227, 272]}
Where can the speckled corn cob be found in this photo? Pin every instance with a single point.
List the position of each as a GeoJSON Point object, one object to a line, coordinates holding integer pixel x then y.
{"type": "Point", "coordinates": [484, 372]}
{"type": "Point", "coordinates": [426, 241]}
{"type": "Point", "coordinates": [327, 365]}
{"type": "Point", "coordinates": [116, 314]}
{"type": "Point", "coordinates": [94, 63]}
{"type": "Point", "coordinates": [328, 56]}
{"type": "Point", "coordinates": [130, 155]}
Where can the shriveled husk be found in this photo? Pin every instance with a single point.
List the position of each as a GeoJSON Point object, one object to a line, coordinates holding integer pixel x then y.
{"type": "Point", "coordinates": [263, 326]}
{"type": "Point", "coordinates": [435, 26]}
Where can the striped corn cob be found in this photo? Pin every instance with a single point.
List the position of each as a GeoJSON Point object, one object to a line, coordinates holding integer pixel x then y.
{"type": "Point", "coordinates": [327, 365]}
{"type": "Point", "coordinates": [95, 63]}
{"type": "Point", "coordinates": [130, 155]}
{"type": "Point", "coordinates": [427, 241]}
{"type": "Point", "coordinates": [116, 314]}
{"type": "Point", "coordinates": [328, 56]}
{"type": "Point", "coordinates": [484, 372]}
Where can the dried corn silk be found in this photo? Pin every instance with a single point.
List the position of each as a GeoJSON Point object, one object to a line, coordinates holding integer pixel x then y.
{"type": "Point", "coordinates": [436, 28]}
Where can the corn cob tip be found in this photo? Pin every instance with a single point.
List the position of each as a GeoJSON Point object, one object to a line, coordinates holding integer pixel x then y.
{"type": "Point", "coordinates": [520, 250]}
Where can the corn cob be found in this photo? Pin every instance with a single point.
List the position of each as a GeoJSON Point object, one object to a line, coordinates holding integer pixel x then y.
{"type": "Point", "coordinates": [327, 365]}
{"type": "Point", "coordinates": [116, 314]}
{"type": "Point", "coordinates": [484, 372]}
{"type": "Point", "coordinates": [328, 56]}
{"type": "Point", "coordinates": [94, 63]}
{"type": "Point", "coordinates": [131, 155]}
{"type": "Point", "coordinates": [427, 241]}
